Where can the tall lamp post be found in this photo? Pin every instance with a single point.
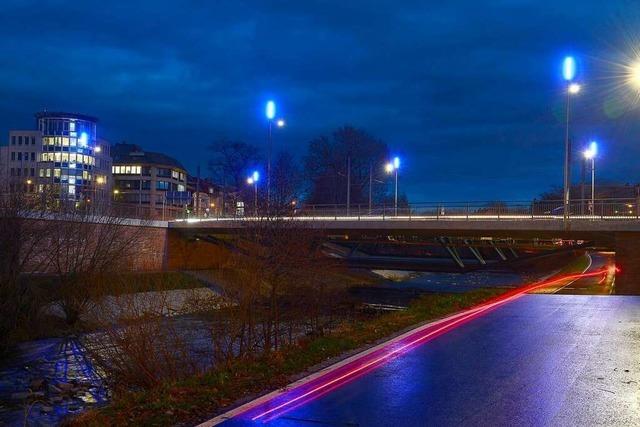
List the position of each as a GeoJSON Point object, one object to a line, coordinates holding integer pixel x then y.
{"type": "Point", "coordinates": [568, 73]}
{"type": "Point", "coordinates": [590, 154]}
{"type": "Point", "coordinates": [253, 180]}
{"type": "Point", "coordinates": [270, 113]}
{"type": "Point", "coordinates": [392, 167]}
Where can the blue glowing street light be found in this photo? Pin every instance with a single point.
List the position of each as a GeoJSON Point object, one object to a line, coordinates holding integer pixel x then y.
{"type": "Point", "coordinates": [569, 68]}
{"type": "Point", "coordinates": [569, 71]}
{"type": "Point", "coordinates": [253, 180]}
{"type": "Point", "coordinates": [392, 167]}
{"type": "Point", "coordinates": [270, 113]}
{"type": "Point", "coordinates": [270, 110]}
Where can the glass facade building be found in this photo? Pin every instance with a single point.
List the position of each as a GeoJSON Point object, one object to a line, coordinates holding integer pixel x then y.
{"type": "Point", "coordinates": [70, 160]}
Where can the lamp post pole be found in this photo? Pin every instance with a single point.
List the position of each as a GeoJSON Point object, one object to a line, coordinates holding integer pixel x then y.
{"type": "Point", "coordinates": [593, 184]}
{"type": "Point", "coordinates": [269, 160]}
{"type": "Point", "coordinates": [348, 184]}
{"type": "Point", "coordinates": [567, 158]}
{"type": "Point", "coordinates": [568, 73]}
{"type": "Point", "coordinates": [395, 203]}
{"type": "Point", "coordinates": [370, 185]}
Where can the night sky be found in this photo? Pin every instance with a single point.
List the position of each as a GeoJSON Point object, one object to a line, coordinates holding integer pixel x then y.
{"type": "Point", "coordinates": [468, 93]}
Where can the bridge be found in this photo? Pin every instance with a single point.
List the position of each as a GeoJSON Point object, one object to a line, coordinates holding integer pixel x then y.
{"type": "Point", "coordinates": [610, 223]}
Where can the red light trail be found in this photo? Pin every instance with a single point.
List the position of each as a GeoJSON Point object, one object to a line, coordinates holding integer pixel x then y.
{"type": "Point", "coordinates": [268, 408]}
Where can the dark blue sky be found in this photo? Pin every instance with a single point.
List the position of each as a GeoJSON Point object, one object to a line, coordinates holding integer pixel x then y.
{"type": "Point", "coordinates": [467, 92]}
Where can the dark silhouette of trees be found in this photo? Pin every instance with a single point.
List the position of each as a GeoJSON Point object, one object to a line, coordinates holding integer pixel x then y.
{"type": "Point", "coordinates": [330, 159]}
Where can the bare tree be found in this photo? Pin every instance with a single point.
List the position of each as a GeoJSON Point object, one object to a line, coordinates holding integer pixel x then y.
{"type": "Point", "coordinates": [350, 154]}
{"type": "Point", "coordinates": [86, 246]}
{"type": "Point", "coordinates": [23, 246]}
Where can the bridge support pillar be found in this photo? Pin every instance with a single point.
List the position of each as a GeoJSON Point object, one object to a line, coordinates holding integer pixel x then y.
{"type": "Point", "coordinates": [627, 245]}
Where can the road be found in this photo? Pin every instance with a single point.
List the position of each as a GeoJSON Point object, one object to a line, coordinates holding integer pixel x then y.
{"type": "Point", "coordinates": [537, 360]}
{"type": "Point", "coordinates": [599, 285]}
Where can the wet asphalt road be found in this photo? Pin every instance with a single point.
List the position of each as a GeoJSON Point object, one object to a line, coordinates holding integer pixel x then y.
{"type": "Point", "coordinates": [591, 285]}
{"type": "Point", "coordinates": [539, 360]}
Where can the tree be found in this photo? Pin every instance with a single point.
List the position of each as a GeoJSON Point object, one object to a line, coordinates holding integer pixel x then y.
{"type": "Point", "coordinates": [232, 160]}
{"type": "Point", "coordinates": [86, 246]}
{"type": "Point", "coordinates": [286, 182]}
{"type": "Point", "coordinates": [23, 246]}
{"type": "Point", "coordinates": [350, 154]}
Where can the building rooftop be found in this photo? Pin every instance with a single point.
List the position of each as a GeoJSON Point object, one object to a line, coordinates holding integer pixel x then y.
{"type": "Point", "coordinates": [45, 114]}
{"type": "Point", "coordinates": [123, 153]}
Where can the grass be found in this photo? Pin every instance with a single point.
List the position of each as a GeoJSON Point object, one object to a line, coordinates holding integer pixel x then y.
{"type": "Point", "coordinates": [190, 400]}
{"type": "Point", "coordinates": [577, 265]}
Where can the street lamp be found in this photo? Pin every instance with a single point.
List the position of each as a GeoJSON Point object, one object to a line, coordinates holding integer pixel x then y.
{"type": "Point", "coordinates": [270, 113]}
{"type": "Point", "coordinates": [572, 88]}
{"type": "Point", "coordinates": [590, 154]}
{"type": "Point", "coordinates": [392, 167]}
{"type": "Point", "coordinates": [253, 180]}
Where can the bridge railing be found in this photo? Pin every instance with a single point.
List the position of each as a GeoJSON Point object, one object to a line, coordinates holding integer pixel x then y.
{"type": "Point", "coordinates": [511, 210]}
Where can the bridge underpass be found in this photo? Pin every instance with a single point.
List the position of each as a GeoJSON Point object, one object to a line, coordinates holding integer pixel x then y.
{"type": "Point", "coordinates": [621, 236]}
{"type": "Point", "coordinates": [443, 253]}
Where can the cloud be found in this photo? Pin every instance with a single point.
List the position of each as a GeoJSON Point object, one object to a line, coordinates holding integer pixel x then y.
{"type": "Point", "coordinates": [468, 90]}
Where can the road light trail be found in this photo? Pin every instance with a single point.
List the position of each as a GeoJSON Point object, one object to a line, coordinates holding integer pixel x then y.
{"type": "Point", "coordinates": [276, 404]}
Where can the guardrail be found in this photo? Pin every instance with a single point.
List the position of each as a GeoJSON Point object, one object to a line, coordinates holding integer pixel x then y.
{"type": "Point", "coordinates": [600, 209]}
{"type": "Point", "coordinates": [578, 209]}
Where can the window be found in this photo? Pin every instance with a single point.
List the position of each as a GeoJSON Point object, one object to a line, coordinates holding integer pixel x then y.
{"type": "Point", "coordinates": [164, 172]}
{"type": "Point", "coordinates": [162, 185]}
{"type": "Point", "coordinates": [33, 140]}
{"type": "Point", "coordinates": [180, 187]}
{"type": "Point", "coordinates": [175, 174]}
{"type": "Point", "coordinates": [13, 155]}
{"type": "Point", "coordinates": [13, 140]}
{"type": "Point", "coordinates": [33, 156]}
{"type": "Point", "coordinates": [19, 155]}
{"type": "Point", "coordinates": [33, 172]}
{"type": "Point", "coordinates": [20, 140]}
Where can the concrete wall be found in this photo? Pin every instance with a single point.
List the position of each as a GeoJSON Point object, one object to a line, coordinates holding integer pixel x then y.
{"type": "Point", "coordinates": [627, 247]}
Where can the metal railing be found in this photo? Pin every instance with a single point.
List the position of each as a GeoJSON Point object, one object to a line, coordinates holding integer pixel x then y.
{"type": "Point", "coordinates": [514, 210]}
{"type": "Point", "coordinates": [600, 209]}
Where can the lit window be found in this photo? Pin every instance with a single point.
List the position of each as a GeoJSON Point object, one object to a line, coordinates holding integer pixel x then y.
{"type": "Point", "coordinates": [72, 126]}
{"type": "Point", "coordinates": [56, 173]}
